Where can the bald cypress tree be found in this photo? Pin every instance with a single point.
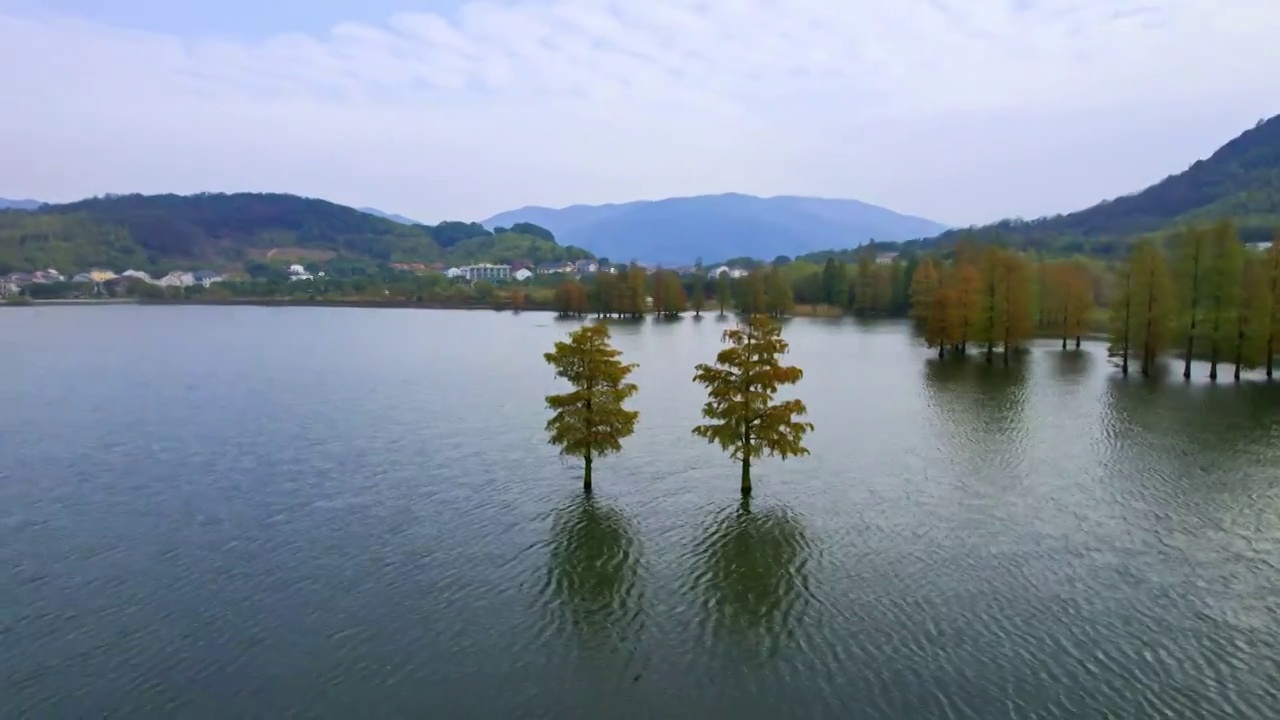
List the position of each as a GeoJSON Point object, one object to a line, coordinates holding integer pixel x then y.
{"type": "Point", "coordinates": [742, 415]}
{"type": "Point", "coordinates": [590, 421]}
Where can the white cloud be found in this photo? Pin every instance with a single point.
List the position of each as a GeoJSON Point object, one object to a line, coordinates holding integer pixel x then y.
{"type": "Point", "coordinates": [963, 110]}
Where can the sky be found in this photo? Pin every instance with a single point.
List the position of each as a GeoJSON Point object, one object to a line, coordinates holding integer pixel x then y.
{"type": "Point", "coordinates": [962, 111]}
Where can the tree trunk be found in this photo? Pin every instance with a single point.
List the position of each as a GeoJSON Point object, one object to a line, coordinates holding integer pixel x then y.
{"type": "Point", "coordinates": [1195, 299]}
{"type": "Point", "coordinates": [1239, 349]}
{"type": "Point", "coordinates": [1077, 342]}
{"type": "Point", "coordinates": [942, 351]}
{"type": "Point", "coordinates": [586, 474]}
{"type": "Point", "coordinates": [1147, 352]}
{"type": "Point", "coordinates": [1270, 358]}
{"type": "Point", "coordinates": [1064, 342]}
{"type": "Point", "coordinates": [1128, 306]}
{"type": "Point", "coordinates": [746, 476]}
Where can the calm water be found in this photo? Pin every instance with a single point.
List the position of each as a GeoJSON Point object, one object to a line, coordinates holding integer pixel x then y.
{"type": "Point", "coordinates": [253, 512]}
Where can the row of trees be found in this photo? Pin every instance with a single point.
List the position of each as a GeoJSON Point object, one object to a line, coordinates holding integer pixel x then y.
{"type": "Point", "coordinates": [1199, 292]}
{"type": "Point", "coordinates": [741, 414]}
{"type": "Point", "coordinates": [1211, 299]}
{"type": "Point", "coordinates": [990, 298]}
{"type": "Point", "coordinates": [636, 293]}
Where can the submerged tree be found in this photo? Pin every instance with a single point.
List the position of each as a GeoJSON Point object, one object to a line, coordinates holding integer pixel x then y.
{"type": "Point", "coordinates": [741, 386]}
{"type": "Point", "coordinates": [698, 289]}
{"type": "Point", "coordinates": [964, 309]}
{"type": "Point", "coordinates": [1005, 300]}
{"type": "Point", "coordinates": [668, 294]}
{"type": "Point", "coordinates": [924, 287]}
{"type": "Point", "coordinates": [1145, 307]}
{"type": "Point", "coordinates": [570, 299]}
{"type": "Point", "coordinates": [1273, 282]}
{"type": "Point", "coordinates": [590, 421]}
{"type": "Point", "coordinates": [1253, 317]}
{"type": "Point", "coordinates": [1226, 263]}
{"type": "Point", "coordinates": [1193, 268]}
{"type": "Point", "coordinates": [1067, 298]}
{"type": "Point", "coordinates": [722, 291]}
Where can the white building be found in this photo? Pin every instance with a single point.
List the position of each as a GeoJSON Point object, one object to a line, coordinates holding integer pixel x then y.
{"type": "Point", "coordinates": [886, 258]}
{"type": "Point", "coordinates": [298, 272]}
{"type": "Point", "coordinates": [733, 272]}
{"type": "Point", "coordinates": [453, 273]}
{"type": "Point", "coordinates": [522, 274]}
{"type": "Point", "coordinates": [556, 267]}
{"type": "Point", "coordinates": [486, 271]}
{"type": "Point", "coordinates": [177, 278]}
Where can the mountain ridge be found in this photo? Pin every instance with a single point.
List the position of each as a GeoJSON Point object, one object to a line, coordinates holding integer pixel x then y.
{"type": "Point", "coordinates": [394, 217]}
{"type": "Point", "coordinates": [23, 204]}
{"type": "Point", "coordinates": [1239, 180]}
{"type": "Point", "coordinates": [230, 230]}
{"type": "Point", "coordinates": [680, 229]}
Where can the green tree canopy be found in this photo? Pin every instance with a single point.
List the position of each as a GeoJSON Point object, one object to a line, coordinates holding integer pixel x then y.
{"type": "Point", "coordinates": [590, 421]}
{"type": "Point", "coordinates": [741, 385]}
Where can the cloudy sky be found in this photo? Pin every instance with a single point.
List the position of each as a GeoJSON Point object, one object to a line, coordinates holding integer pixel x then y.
{"type": "Point", "coordinates": [963, 111]}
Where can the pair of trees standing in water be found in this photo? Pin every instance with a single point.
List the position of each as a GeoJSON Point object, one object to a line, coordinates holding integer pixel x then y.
{"type": "Point", "coordinates": [741, 414]}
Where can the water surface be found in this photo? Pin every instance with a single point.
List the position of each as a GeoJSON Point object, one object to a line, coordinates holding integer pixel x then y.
{"type": "Point", "coordinates": [265, 512]}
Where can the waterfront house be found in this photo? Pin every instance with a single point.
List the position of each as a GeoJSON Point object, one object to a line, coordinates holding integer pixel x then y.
{"type": "Point", "coordinates": [586, 266]}
{"type": "Point", "coordinates": [47, 276]}
{"type": "Point", "coordinates": [9, 288]}
{"type": "Point", "coordinates": [83, 277]}
{"type": "Point", "coordinates": [562, 266]}
{"type": "Point", "coordinates": [177, 278]}
{"type": "Point", "coordinates": [138, 275]}
{"type": "Point", "coordinates": [99, 275]}
{"type": "Point", "coordinates": [205, 277]}
{"type": "Point", "coordinates": [486, 271]}
{"type": "Point", "coordinates": [298, 272]}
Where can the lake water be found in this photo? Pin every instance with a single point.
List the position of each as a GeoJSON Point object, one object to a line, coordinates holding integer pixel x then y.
{"type": "Point", "coordinates": [334, 513]}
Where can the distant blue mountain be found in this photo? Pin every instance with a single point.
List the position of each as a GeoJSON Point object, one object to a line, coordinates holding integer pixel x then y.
{"type": "Point", "coordinates": [389, 216]}
{"type": "Point", "coordinates": [7, 204]}
{"type": "Point", "coordinates": [717, 227]}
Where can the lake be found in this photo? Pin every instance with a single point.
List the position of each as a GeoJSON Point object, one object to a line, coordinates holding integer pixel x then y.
{"type": "Point", "coordinates": [330, 513]}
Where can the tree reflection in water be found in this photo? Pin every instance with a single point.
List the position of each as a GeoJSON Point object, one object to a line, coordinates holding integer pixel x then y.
{"type": "Point", "coordinates": [750, 574]}
{"type": "Point", "coordinates": [592, 574]}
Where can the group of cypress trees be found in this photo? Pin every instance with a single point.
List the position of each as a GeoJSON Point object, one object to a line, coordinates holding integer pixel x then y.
{"type": "Point", "coordinates": [741, 415]}
{"type": "Point", "coordinates": [1199, 292]}
{"type": "Point", "coordinates": [1213, 300]}
{"type": "Point", "coordinates": [985, 298]}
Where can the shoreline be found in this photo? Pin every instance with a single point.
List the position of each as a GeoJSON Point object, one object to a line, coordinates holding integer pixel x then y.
{"type": "Point", "coordinates": [806, 311]}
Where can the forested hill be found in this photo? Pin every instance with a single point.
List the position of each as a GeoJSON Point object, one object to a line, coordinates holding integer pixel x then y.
{"type": "Point", "coordinates": [228, 230]}
{"type": "Point", "coordinates": [1240, 180]}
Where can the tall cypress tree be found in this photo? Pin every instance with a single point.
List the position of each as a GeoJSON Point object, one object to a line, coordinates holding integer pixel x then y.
{"type": "Point", "coordinates": [590, 421]}
{"type": "Point", "coordinates": [741, 385]}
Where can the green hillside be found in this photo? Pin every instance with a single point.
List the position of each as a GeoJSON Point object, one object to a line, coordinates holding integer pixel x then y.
{"type": "Point", "coordinates": [1240, 180]}
{"type": "Point", "coordinates": [226, 231]}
